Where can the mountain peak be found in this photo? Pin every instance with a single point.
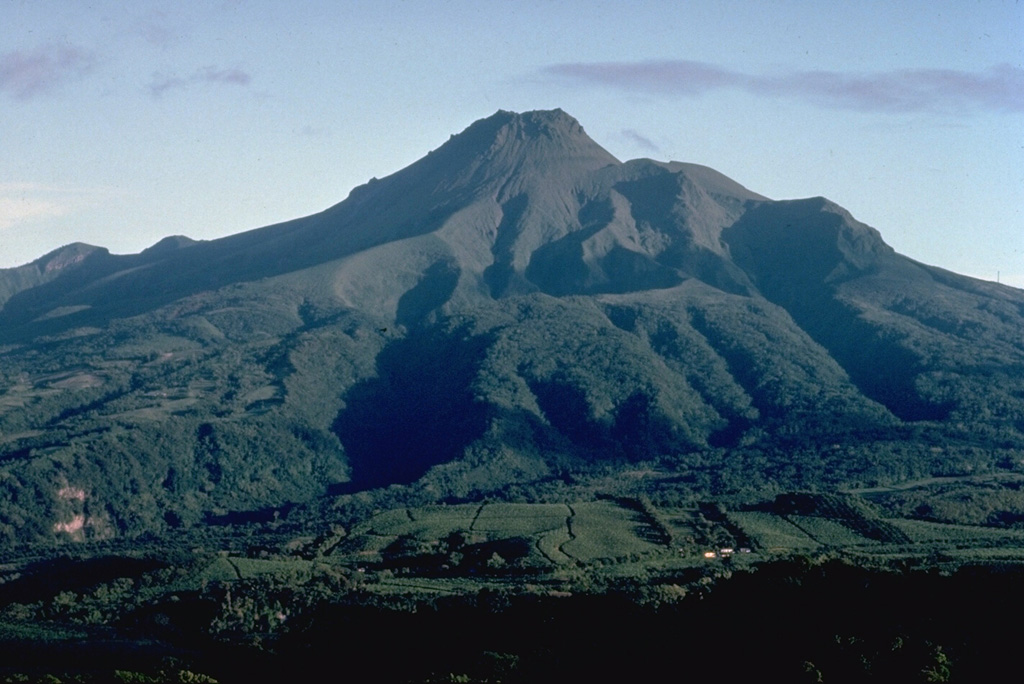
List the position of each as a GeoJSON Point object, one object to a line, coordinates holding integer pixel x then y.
{"type": "Point", "coordinates": [45, 268]}
{"type": "Point", "coordinates": [550, 132]}
{"type": "Point", "coordinates": [536, 122]}
{"type": "Point", "coordinates": [548, 122]}
{"type": "Point", "coordinates": [501, 155]}
{"type": "Point", "coordinates": [170, 244]}
{"type": "Point", "coordinates": [63, 257]}
{"type": "Point", "coordinates": [537, 144]}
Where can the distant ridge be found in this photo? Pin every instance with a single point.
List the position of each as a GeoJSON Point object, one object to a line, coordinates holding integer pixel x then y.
{"type": "Point", "coordinates": [170, 243]}
{"type": "Point", "coordinates": [44, 269]}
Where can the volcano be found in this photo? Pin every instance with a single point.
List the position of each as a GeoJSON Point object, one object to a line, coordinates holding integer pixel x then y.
{"type": "Point", "coordinates": [515, 309]}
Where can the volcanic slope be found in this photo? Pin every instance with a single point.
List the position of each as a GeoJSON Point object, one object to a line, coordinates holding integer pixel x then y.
{"type": "Point", "coordinates": [517, 306]}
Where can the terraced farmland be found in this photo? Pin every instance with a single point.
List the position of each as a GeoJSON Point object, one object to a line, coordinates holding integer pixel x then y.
{"type": "Point", "coordinates": [521, 519]}
{"type": "Point", "coordinates": [829, 532]}
{"type": "Point", "coordinates": [583, 532]}
{"type": "Point", "coordinates": [607, 530]}
{"type": "Point", "coordinates": [921, 531]}
{"type": "Point", "coordinates": [495, 537]}
{"type": "Point", "coordinates": [773, 533]}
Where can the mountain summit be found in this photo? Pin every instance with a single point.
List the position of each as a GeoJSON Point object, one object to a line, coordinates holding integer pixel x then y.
{"type": "Point", "coordinates": [518, 306]}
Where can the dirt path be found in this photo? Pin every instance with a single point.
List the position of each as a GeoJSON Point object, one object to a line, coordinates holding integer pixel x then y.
{"type": "Point", "coordinates": [924, 482]}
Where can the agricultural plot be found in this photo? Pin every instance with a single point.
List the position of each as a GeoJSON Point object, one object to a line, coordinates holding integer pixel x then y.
{"type": "Point", "coordinates": [550, 545]}
{"type": "Point", "coordinates": [158, 411]}
{"type": "Point", "coordinates": [254, 567]}
{"type": "Point", "coordinates": [556, 533]}
{"type": "Point", "coordinates": [220, 570]}
{"type": "Point", "coordinates": [434, 522]}
{"type": "Point", "coordinates": [829, 532]}
{"type": "Point", "coordinates": [428, 585]}
{"type": "Point", "coordinates": [367, 544]}
{"type": "Point", "coordinates": [427, 523]}
{"type": "Point", "coordinates": [513, 520]}
{"type": "Point", "coordinates": [605, 530]}
{"type": "Point", "coordinates": [994, 555]}
{"type": "Point", "coordinates": [920, 531]}
{"type": "Point", "coordinates": [772, 532]}
{"type": "Point", "coordinates": [682, 523]}
{"type": "Point", "coordinates": [384, 523]}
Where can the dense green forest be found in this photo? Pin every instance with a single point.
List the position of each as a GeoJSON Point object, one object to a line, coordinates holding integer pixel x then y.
{"type": "Point", "coordinates": [151, 426]}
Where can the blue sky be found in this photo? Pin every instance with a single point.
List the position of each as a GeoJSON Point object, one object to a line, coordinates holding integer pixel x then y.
{"type": "Point", "coordinates": [124, 122]}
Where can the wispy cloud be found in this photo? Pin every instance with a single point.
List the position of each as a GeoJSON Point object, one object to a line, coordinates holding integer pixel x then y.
{"type": "Point", "coordinates": [640, 140]}
{"type": "Point", "coordinates": [155, 27]}
{"type": "Point", "coordinates": [998, 88]}
{"type": "Point", "coordinates": [21, 202]}
{"type": "Point", "coordinates": [25, 74]}
{"type": "Point", "coordinates": [26, 202]}
{"type": "Point", "coordinates": [161, 83]}
{"type": "Point", "coordinates": [308, 131]}
{"type": "Point", "coordinates": [15, 210]}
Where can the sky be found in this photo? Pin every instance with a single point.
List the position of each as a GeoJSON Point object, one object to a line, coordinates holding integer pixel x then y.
{"type": "Point", "coordinates": [125, 122]}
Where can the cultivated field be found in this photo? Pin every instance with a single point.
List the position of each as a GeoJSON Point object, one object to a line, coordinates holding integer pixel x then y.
{"type": "Point", "coordinates": [494, 539]}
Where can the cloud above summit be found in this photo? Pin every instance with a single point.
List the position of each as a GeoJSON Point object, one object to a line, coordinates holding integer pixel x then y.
{"type": "Point", "coordinates": [28, 73]}
{"type": "Point", "coordinates": [162, 83]}
{"type": "Point", "coordinates": [998, 88]}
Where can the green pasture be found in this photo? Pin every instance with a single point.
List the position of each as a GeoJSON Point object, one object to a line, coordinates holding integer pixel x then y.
{"type": "Point", "coordinates": [605, 530]}
{"type": "Point", "coordinates": [426, 523]}
{"type": "Point", "coordinates": [923, 531]}
{"type": "Point", "coordinates": [550, 545]}
{"type": "Point", "coordinates": [384, 523]}
{"type": "Point", "coordinates": [220, 570]}
{"type": "Point", "coordinates": [561, 533]}
{"type": "Point", "coordinates": [771, 532]}
{"type": "Point", "coordinates": [254, 567]}
{"type": "Point", "coordinates": [429, 585]}
{"type": "Point", "coordinates": [508, 519]}
{"type": "Point", "coordinates": [828, 531]}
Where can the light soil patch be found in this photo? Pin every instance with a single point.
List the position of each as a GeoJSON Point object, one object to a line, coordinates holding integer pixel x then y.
{"type": "Point", "coordinates": [63, 311]}
{"type": "Point", "coordinates": [79, 381]}
{"type": "Point", "coordinates": [18, 435]}
{"type": "Point", "coordinates": [262, 394]}
{"type": "Point", "coordinates": [932, 481]}
{"type": "Point", "coordinates": [159, 412]}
